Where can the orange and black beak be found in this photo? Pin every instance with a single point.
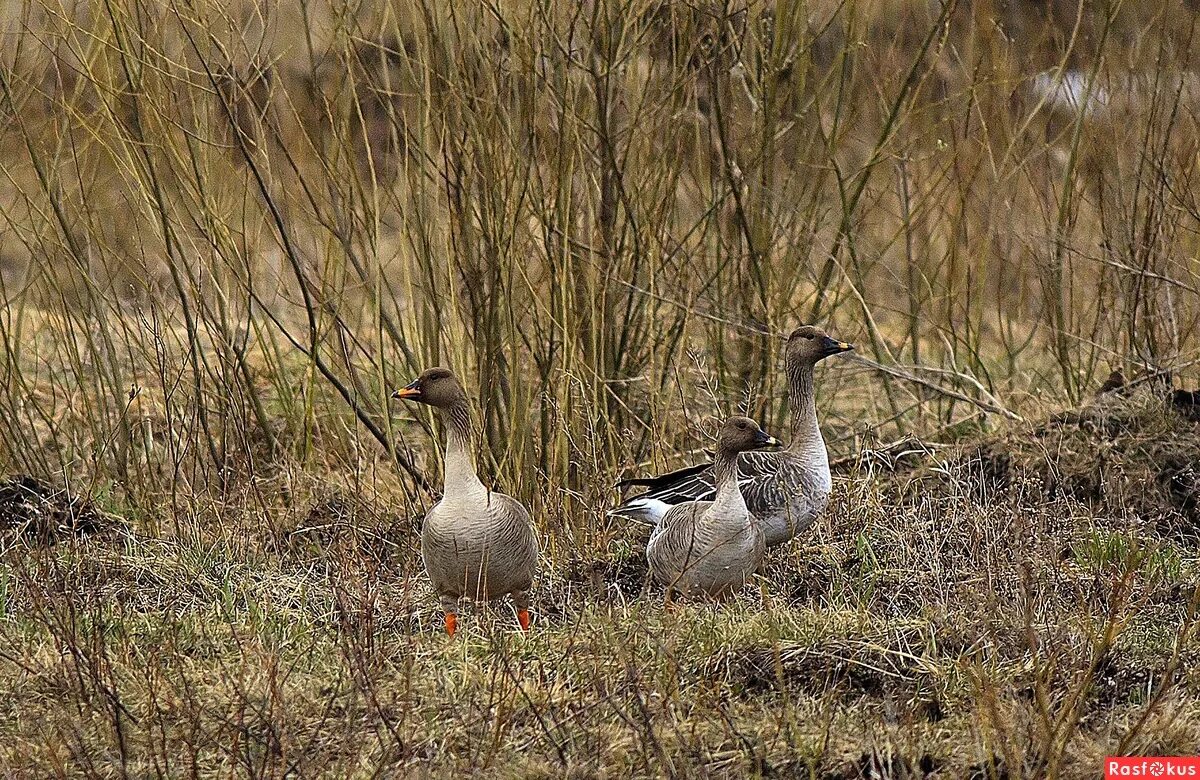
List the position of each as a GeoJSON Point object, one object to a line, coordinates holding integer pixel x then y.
{"type": "Point", "coordinates": [764, 439]}
{"type": "Point", "coordinates": [410, 392]}
{"type": "Point", "coordinates": [833, 347]}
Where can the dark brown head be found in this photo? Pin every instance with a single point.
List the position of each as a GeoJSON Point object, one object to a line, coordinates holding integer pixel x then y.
{"type": "Point", "coordinates": [740, 434]}
{"type": "Point", "coordinates": [435, 386]}
{"type": "Point", "coordinates": [809, 345]}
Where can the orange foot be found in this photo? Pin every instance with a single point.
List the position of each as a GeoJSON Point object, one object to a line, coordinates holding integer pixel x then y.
{"type": "Point", "coordinates": [523, 619]}
{"type": "Point", "coordinates": [451, 623]}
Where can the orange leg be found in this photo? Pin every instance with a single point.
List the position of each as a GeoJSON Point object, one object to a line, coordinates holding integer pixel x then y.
{"type": "Point", "coordinates": [451, 623]}
{"type": "Point", "coordinates": [523, 619]}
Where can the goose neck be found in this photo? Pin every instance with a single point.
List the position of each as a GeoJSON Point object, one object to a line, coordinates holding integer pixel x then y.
{"type": "Point", "coordinates": [802, 399]}
{"type": "Point", "coordinates": [460, 474]}
{"type": "Point", "coordinates": [729, 500]}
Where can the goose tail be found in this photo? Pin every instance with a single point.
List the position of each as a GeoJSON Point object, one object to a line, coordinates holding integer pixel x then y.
{"type": "Point", "coordinates": [642, 510]}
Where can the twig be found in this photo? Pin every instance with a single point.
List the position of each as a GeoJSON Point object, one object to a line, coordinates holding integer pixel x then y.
{"type": "Point", "coordinates": [992, 406]}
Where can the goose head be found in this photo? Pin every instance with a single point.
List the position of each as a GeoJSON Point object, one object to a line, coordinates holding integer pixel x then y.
{"type": "Point", "coordinates": [741, 434]}
{"type": "Point", "coordinates": [809, 345]}
{"type": "Point", "coordinates": [437, 387]}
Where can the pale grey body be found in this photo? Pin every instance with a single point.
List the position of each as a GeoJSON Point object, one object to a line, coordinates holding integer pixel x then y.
{"type": "Point", "coordinates": [476, 543]}
{"type": "Point", "coordinates": [707, 548]}
{"type": "Point", "coordinates": [787, 491]}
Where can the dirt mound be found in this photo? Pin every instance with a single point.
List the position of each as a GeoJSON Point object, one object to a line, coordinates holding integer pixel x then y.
{"type": "Point", "coordinates": [883, 764]}
{"type": "Point", "coordinates": [341, 525]}
{"type": "Point", "coordinates": [621, 573]}
{"type": "Point", "coordinates": [857, 666]}
{"type": "Point", "coordinates": [38, 512]}
{"type": "Point", "coordinates": [1121, 454]}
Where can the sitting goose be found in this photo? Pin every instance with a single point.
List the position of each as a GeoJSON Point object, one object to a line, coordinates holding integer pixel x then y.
{"type": "Point", "coordinates": [711, 547]}
{"type": "Point", "coordinates": [475, 543]}
{"type": "Point", "coordinates": [785, 491]}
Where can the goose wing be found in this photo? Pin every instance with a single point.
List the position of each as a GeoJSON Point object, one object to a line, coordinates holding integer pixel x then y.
{"type": "Point", "coordinates": [694, 483]}
{"type": "Point", "coordinates": [665, 480]}
{"type": "Point", "coordinates": [756, 470]}
{"type": "Point", "coordinates": [672, 543]}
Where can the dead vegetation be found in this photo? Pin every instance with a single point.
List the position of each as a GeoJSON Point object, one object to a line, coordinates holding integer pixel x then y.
{"type": "Point", "coordinates": [955, 618]}
{"type": "Point", "coordinates": [33, 511]}
{"type": "Point", "coordinates": [227, 230]}
{"type": "Point", "coordinates": [1119, 455]}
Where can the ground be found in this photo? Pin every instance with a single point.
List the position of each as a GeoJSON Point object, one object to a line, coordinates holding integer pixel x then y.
{"type": "Point", "coordinates": [1013, 605]}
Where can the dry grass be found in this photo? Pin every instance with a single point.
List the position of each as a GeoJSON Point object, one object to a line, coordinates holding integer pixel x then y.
{"type": "Point", "coordinates": [228, 230]}
{"type": "Point", "coordinates": [957, 619]}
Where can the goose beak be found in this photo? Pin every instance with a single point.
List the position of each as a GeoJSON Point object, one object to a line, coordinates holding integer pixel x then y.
{"type": "Point", "coordinates": [833, 347]}
{"type": "Point", "coordinates": [411, 391]}
{"type": "Point", "coordinates": [767, 440]}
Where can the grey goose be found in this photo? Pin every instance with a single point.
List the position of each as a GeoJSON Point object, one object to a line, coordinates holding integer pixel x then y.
{"type": "Point", "coordinates": [475, 543]}
{"type": "Point", "coordinates": [786, 491]}
{"type": "Point", "coordinates": [709, 548]}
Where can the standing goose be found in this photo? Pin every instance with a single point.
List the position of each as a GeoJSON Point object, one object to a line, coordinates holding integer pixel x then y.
{"type": "Point", "coordinates": [708, 548]}
{"type": "Point", "coordinates": [785, 491]}
{"type": "Point", "coordinates": [475, 543]}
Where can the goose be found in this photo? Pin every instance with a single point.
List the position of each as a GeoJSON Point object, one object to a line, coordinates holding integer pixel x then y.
{"type": "Point", "coordinates": [786, 490]}
{"type": "Point", "coordinates": [475, 543]}
{"type": "Point", "coordinates": [709, 548]}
